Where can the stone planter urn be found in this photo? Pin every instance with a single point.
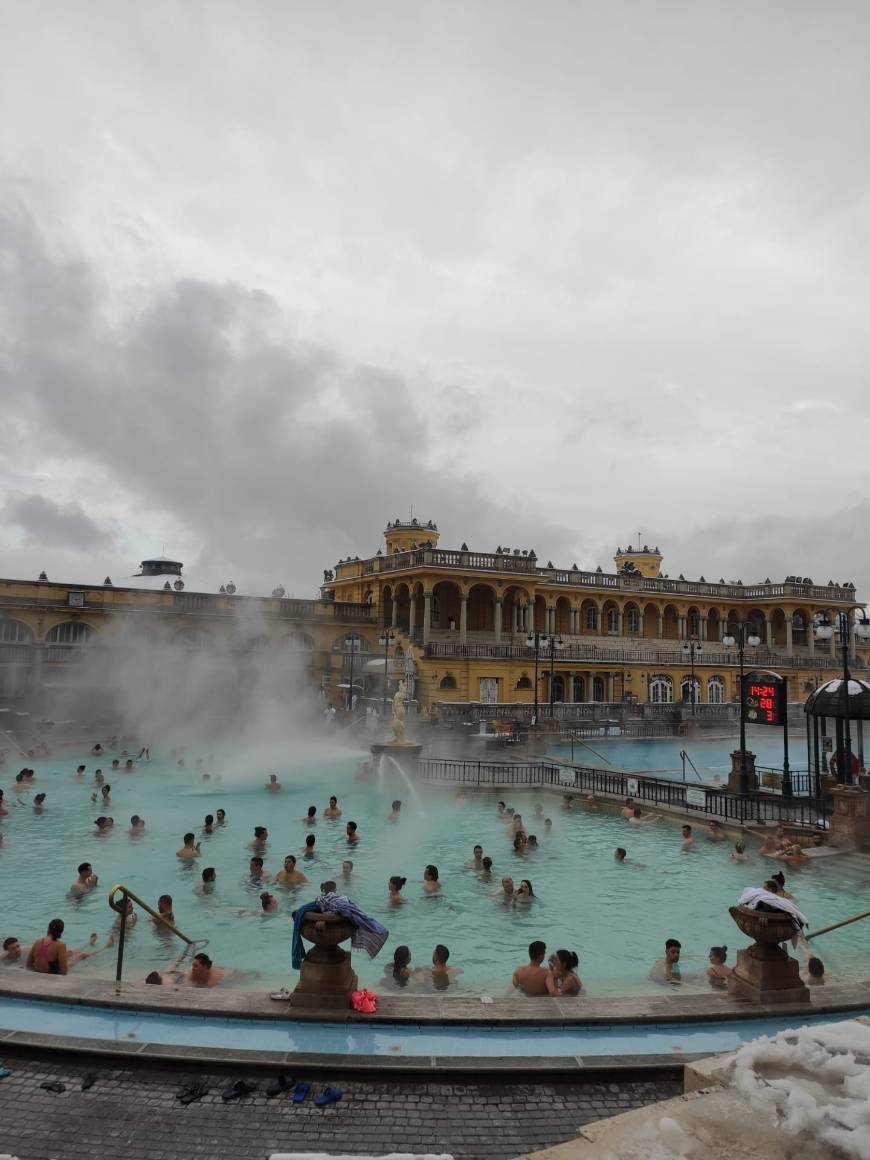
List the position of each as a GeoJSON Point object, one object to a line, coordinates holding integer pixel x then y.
{"type": "Point", "coordinates": [327, 977]}
{"type": "Point", "coordinates": [765, 972]}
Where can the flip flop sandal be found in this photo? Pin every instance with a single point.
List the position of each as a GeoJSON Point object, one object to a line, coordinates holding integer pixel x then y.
{"type": "Point", "coordinates": [330, 1095]}
{"type": "Point", "coordinates": [242, 1087]}
{"type": "Point", "coordinates": [300, 1091]}
{"type": "Point", "coordinates": [279, 1086]}
{"type": "Point", "coordinates": [190, 1092]}
{"type": "Point", "coordinates": [282, 996]}
{"type": "Point", "coordinates": [53, 1086]}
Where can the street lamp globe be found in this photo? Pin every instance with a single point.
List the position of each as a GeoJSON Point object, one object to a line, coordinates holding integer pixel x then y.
{"type": "Point", "coordinates": [753, 640]}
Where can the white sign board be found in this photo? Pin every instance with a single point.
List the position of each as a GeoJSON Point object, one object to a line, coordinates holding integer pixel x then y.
{"type": "Point", "coordinates": [631, 786]}
{"type": "Point", "coordinates": [696, 797]}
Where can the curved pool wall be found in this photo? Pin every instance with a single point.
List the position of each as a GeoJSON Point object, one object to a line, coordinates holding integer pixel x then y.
{"type": "Point", "coordinates": [420, 1033]}
{"type": "Point", "coordinates": [616, 917]}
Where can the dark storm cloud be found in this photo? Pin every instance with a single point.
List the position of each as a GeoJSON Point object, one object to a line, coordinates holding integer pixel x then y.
{"type": "Point", "coordinates": [43, 522]}
{"type": "Point", "coordinates": [277, 454]}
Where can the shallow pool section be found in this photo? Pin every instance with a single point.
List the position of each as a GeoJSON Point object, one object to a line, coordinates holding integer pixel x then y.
{"type": "Point", "coordinates": [615, 916]}
{"type": "Point", "coordinates": [384, 1039]}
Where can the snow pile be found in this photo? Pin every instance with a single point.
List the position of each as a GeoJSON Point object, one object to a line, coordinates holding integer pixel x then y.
{"type": "Point", "coordinates": [813, 1081]}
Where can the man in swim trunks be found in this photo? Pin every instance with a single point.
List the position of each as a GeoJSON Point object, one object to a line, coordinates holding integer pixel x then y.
{"type": "Point", "coordinates": [531, 979]}
{"type": "Point", "coordinates": [289, 875]}
{"type": "Point", "coordinates": [203, 972]}
{"type": "Point", "coordinates": [332, 810]}
{"type": "Point", "coordinates": [190, 849]}
{"type": "Point", "coordinates": [667, 970]}
{"type": "Point", "coordinates": [86, 880]}
{"type": "Point", "coordinates": [476, 860]}
{"type": "Point", "coordinates": [261, 837]}
{"type": "Point", "coordinates": [688, 841]}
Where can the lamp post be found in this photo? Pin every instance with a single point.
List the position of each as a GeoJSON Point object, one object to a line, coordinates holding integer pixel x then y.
{"type": "Point", "coordinates": [745, 639]}
{"type": "Point", "coordinates": [352, 640]}
{"type": "Point", "coordinates": [824, 630]}
{"type": "Point", "coordinates": [555, 643]}
{"type": "Point", "coordinates": [536, 640]}
{"type": "Point", "coordinates": [386, 639]}
{"type": "Point", "coordinates": [691, 649]}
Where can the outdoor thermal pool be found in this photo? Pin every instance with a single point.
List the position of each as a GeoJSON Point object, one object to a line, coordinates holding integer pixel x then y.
{"type": "Point", "coordinates": [615, 916]}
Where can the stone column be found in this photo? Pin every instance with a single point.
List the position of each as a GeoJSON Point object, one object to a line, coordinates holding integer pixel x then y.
{"type": "Point", "coordinates": [412, 616]}
{"type": "Point", "coordinates": [768, 632]}
{"type": "Point", "coordinates": [427, 617]}
{"type": "Point", "coordinates": [661, 625]}
{"type": "Point", "coordinates": [811, 639]}
{"type": "Point", "coordinates": [681, 627]}
{"type": "Point", "coordinates": [551, 620]}
{"type": "Point", "coordinates": [590, 687]}
{"type": "Point", "coordinates": [463, 616]}
{"type": "Point", "coordinates": [609, 689]}
{"type": "Point", "coordinates": [395, 623]}
{"type": "Point", "coordinates": [499, 603]}
{"type": "Point", "coordinates": [35, 692]}
{"type": "Point", "coordinates": [789, 637]}
{"type": "Point", "coordinates": [703, 633]}
{"type": "Point", "coordinates": [619, 622]}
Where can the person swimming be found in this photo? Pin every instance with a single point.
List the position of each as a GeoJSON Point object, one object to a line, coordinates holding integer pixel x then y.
{"type": "Point", "coordinates": [717, 972]}
{"type": "Point", "coordinates": [393, 815]}
{"type": "Point", "coordinates": [137, 824]}
{"type": "Point", "coordinates": [562, 977]}
{"type": "Point", "coordinates": [523, 893]}
{"type": "Point", "coordinates": [398, 972]}
{"type": "Point", "coordinates": [332, 810]}
{"type": "Point", "coordinates": [347, 869]}
{"type": "Point", "coordinates": [506, 890]}
{"type": "Point", "coordinates": [190, 849]}
{"type": "Point", "coordinates": [667, 970]}
{"type": "Point", "coordinates": [531, 978]}
{"type": "Point", "coordinates": [442, 975]}
{"type": "Point", "coordinates": [310, 818]}
{"type": "Point", "coordinates": [520, 842]}
{"type": "Point", "coordinates": [268, 902]}
{"type": "Point", "coordinates": [48, 955]}
{"type": "Point", "coordinates": [688, 842]}
{"type": "Point", "coordinates": [476, 860]}
{"type": "Point", "coordinates": [394, 887]}
{"type": "Point", "coordinates": [208, 881]}
{"type": "Point", "coordinates": [261, 837]}
{"type": "Point", "coordinates": [273, 784]}
{"type": "Point", "coordinates": [739, 854]}
{"type": "Point", "coordinates": [431, 884]}
{"type": "Point", "coordinates": [86, 880]}
{"type": "Point", "coordinates": [351, 832]}
{"type": "Point", "coordinates": [308, 848]}
{"type": "Point", "coordinates": [289, 875]}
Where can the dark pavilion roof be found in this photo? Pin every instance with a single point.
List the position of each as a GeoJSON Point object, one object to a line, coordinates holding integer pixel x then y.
{"type": "Point", "coordinates": [826, 701]}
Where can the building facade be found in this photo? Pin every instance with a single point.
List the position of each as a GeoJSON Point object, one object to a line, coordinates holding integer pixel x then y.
{"type": "Point", "coordinates": [482, 627]}
{"type": "Point", "coordinates": [481, 623]}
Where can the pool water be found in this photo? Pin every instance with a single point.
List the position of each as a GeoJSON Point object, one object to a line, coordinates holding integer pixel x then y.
{"type": "Point", "coordinates": [660, 757]}
{"type": "Point", "coordinates": [615, 916]}
{"type": "Point", "coordinates": [388, 1039]}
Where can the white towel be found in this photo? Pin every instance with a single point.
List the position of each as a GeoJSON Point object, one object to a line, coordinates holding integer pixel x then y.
{"type": "Point", "coordinates": [752, 895]}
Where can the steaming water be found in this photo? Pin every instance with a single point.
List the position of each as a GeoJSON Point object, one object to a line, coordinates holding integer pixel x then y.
{"type": "Point", "coordinates": [616, 917]}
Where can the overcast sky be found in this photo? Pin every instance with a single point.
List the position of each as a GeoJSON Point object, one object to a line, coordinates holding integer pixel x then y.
{"type": "Point", "coordinates": [555, 274]}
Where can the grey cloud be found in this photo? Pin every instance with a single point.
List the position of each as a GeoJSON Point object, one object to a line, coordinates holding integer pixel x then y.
{"type": "Point", "coordinates": [48, 525]}
{"type": "Point", "coordinates": [278, 455]}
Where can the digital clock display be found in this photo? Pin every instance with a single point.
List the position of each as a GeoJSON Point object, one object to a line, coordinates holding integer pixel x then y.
{"type": "Point", "coordinates": [764, 699]}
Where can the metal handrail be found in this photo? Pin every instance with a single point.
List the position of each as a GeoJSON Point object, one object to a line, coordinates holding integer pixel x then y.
{"type": "Point", "coordinates": [842, 922]}
{"type": "Point", "coordinates": [121, 909]}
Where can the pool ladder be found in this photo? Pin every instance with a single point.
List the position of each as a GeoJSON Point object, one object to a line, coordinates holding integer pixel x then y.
{"type": "Point", "coordinates": [120, 907]}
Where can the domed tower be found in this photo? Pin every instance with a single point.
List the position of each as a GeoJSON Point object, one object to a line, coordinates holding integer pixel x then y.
{"type": "Point", "coordinates": [405, 535]}
{"type": "Point", "coordinates": [647, 561]}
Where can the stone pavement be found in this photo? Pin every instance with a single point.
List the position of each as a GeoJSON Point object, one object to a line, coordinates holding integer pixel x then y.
{"type": "Point", "coordinates": [132, 1114]}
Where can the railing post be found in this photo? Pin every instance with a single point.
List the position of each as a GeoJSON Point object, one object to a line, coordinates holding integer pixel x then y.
{"type": "Point", "coordinates": [120, 963]}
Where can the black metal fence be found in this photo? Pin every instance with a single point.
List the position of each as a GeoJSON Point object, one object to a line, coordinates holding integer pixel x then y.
{"type": "Point", "coordinates": [646, 791]}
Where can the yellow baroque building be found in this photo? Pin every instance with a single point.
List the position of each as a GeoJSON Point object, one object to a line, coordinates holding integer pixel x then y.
{"type": "Point", "coordinates": [631, 635]}
{"type": "Point", "coordinates": [482, 623]}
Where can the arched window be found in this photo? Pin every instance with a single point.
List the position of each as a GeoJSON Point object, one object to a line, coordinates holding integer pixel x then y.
{"type": "Point", "coordinates": [15, 632]}
{"type": "Point", "coordinates": [579, 689]}
{"type": "Point", "coordinates": [694, 623]}
{"type": "Point", "coordinates": [661, 690]}
{"type": "Point", "coordinates": [612, 620]}
{"type": "Point", "coordinates": [524, 682]}
{"type": "Point", "coordinates": [592, 618]}
{"type": "Point", "coordinates": [448, 682]}
{"type": "Point", "coordinates": [558, 691]}
{"type": "Point", "coordinates": [686, 685]}
{"type": "Point", "coordinates": [297, 642]}
{"type": "Point", "coordinates": [63, 640]}
{"type": "Point", "coordinates": [597, 688]}
{"type": "Point", "coordinates": [632, 619]}
{"type": "Point", "coordinates": [351, 642]}
{"type": "Point", "coordinates": [255, 643]}
{"type": "Point", "coordinates": [70, 632]}
{"type": "Point", "coordinates": [715, 691]}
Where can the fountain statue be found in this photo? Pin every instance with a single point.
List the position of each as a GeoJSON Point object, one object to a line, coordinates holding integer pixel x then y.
{"type": "Point", "coordinates": [399, 715]}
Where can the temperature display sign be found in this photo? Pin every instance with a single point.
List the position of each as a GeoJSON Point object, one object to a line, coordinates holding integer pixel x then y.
{"type": "Point", "coordinates": [764, 699]}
